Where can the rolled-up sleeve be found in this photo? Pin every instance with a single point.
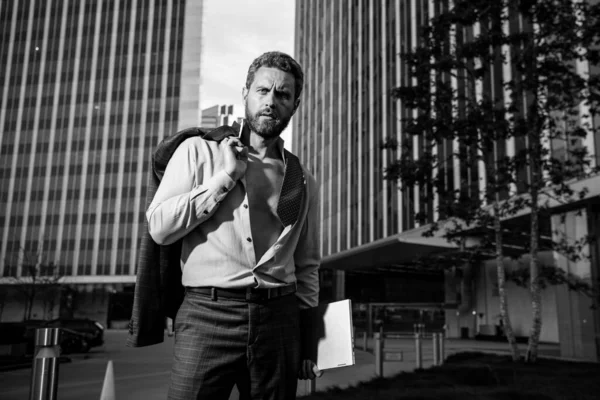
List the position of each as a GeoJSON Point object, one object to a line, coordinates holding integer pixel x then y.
{"type": "Point", "coordinates": [307, 255]}
{"type": "Point", "coordinates": [182, 200]}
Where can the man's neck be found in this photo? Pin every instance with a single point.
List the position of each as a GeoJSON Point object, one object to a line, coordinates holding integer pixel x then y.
{"type": "Point", "coordinates": [262, 148]}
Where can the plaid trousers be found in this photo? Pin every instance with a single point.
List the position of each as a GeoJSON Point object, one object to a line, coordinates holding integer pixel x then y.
{"type": "Point", "coordinates": [252, 344]}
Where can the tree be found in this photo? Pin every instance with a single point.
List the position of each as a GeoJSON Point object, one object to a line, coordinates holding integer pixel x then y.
{"type": "Point", "coordinates": [38, 277]}
{"type": "Point", "coordinates": [519, 148]}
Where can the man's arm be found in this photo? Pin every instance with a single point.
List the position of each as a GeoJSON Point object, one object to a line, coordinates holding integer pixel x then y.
{"type": "Point", "coordinates": [183, 199]}
{"type": "Point", "coordinates": [307, 258]}
{"type": "Point", "coordinates": [307, 255]}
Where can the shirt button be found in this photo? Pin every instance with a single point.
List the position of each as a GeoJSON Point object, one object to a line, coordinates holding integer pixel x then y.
{"type": "Point", "coordinates": [205, 212]}
{"type": "Point", "coordinates": [245, 205]}
{"type": "Point", "coordinates": [249, 239]}
{"type": "Point", "coordinates": [224, 189]}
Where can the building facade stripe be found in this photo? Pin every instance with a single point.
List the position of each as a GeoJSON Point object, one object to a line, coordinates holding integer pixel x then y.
{"type": "Point", "coordinates": [5, 92]}
{"type": "Point", "coordinates": [52, 138]}
{"type": "Point", "coordinates": [339, 133]}
{"type": "Point", "coordinates": [384, 120]}
{"type": "Point", "coordinates": [20, 110]}
{"type": "Point", "coordinates": [359, 200]}
{"type": "Point", "coordinates": [415, 113]}
{"type": "Point", "coordinates": [72, 109]}
{"type": "Point", "coordinates": [81, 206]}
{"type": "Point", "coordinates": [398, 62]}
{"type": "Point", "coordinates": [125, 131]}
{"type": "Point", "coordinates": [36, 127]}
{"type": "Point", "coordinates": [351, 74]}
{"type": "Point", "coordinates": [371, 133]}
{"type": "Point", "coordinates": [330, 129]}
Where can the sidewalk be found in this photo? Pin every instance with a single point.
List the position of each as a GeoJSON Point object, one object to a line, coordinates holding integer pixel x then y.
{"type": "Point", "coordinates": [364, 368]}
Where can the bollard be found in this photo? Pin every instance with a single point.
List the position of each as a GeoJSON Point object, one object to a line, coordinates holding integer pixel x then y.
{"type": "Point", "coordinates": [378, 349]}
{"type": "Point", "coordinates": [441, 346]}
{"type": "Point", "coordinates": [365, 338]}
{"type": "Point", "coordinates": [418, 351]}
{"type": "Point", "coordinates": [436, 349]}
{"type": "Point", "coordinates": [44, 377]}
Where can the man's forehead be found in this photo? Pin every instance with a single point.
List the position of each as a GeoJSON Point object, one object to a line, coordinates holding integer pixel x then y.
{"type": "Point", "coordinates": [269, 75]}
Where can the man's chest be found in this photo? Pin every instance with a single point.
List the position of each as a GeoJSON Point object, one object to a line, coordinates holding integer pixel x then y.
{"type": "Point", "coordinates": [263, 185]}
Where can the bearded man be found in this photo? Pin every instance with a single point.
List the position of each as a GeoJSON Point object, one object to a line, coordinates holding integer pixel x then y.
{"type": "Point", "coordinates": [246, 213]}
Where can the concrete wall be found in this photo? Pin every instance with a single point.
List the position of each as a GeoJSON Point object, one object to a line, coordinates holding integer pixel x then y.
{"type": "Point", "coordinates": [487, 301]}
{"type": "Point", "coordinates": [578, 321]}
{"type": "Point", "coordinates": [12, 304]}
{"type": "Point", "coordinates": [89, 301]}
{"type": "Point", "coordinates": [480, 304]}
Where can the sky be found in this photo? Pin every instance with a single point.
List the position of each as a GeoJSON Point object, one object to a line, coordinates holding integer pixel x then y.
{"type": "Point", "coordinates": [234, 33]}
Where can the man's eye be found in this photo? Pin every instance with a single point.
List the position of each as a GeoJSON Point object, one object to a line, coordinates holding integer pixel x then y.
{"type": "Point", "coordinates": [262, 91]}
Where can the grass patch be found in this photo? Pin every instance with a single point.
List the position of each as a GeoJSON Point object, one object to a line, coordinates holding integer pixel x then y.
{"type": "Point", "coordinates": [472, 375]}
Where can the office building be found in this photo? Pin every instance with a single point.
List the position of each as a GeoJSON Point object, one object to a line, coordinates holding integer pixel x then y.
{"type": "Point", "coordinates": [88, 90]}
{"type": "Point", "coordinates": [218, 115]}
{"type": "Point", "coordinates": [350, 52]}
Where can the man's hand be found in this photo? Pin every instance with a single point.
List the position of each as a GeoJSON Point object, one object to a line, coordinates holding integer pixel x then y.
{"type": "Point", "coordinates": [235, 156]}
{"type": "Point", "coordinates": [309, 370]}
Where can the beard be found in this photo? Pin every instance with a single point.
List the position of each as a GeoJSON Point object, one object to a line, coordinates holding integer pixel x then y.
{"type": "Point", "coordinates": [268, 128]}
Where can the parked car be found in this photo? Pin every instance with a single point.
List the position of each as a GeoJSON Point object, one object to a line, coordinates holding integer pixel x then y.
{"type": "Point", "coordinates": [20, 336]}
{"type": "Point", "coordinates": [93, 331]}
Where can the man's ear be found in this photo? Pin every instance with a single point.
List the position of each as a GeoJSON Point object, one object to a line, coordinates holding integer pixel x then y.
{"type": "Point", "coordinates": [296, 104]}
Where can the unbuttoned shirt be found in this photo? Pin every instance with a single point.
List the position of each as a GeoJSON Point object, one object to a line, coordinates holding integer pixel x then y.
{"type": "Point", "coordinates": [199, 202]}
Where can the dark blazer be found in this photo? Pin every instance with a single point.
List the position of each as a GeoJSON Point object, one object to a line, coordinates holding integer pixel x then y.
{"type": "Point", "coordinates": [158, 289]}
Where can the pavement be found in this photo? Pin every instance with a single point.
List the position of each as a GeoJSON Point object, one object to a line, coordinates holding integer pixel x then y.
{"type": "Point", "coordinates": [153, 363]}
{"type": "Point", "coordinates": [404, 359]}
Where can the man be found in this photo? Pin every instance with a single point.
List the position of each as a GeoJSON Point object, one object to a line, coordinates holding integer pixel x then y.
{"type": "Point", "coordinates": [248, 221]}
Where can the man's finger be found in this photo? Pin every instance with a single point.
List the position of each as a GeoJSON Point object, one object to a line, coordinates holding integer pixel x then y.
{"type": "Point", "coordinates": [318, 373]}
{"type": "Point", "coordinates": [235, 142]}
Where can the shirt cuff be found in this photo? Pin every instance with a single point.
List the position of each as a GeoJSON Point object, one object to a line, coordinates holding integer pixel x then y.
{"type": "Point", "coordinates": [219, 185]}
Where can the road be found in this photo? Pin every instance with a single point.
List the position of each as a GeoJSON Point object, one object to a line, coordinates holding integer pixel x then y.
{"type": "Point", "coordinates": [140, 373]}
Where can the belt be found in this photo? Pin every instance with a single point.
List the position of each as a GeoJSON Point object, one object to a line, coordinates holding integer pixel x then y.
{"type": "Point", "coordinates": [248, 294]}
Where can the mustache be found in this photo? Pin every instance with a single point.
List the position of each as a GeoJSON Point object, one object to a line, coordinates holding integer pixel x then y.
{"type": "Point", "coordinates": [268, 113]}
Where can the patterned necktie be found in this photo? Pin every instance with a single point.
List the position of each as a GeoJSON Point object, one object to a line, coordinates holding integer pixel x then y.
{"type": "Point", "coordinates": [292, 191]}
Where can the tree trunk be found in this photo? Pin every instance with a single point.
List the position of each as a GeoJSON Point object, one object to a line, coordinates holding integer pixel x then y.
{"type": "Point", "coordinates": [508, 331]}
{"type": "Point", "coordinates": [534, 279]}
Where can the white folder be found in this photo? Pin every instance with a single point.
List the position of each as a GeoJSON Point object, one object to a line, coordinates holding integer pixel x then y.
{"type": "Point", "coordinates": [335, 335]}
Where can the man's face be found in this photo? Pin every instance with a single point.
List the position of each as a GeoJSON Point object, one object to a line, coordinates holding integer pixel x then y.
{"type": "Point", "coordinates": [270, 101]}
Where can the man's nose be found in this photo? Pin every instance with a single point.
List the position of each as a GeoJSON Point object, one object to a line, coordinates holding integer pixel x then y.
{"type": "Point", "coordinates": [269, 99]}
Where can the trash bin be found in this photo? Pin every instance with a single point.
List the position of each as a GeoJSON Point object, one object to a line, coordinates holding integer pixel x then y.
{"type": "Point", "coordinates": [464, 332]}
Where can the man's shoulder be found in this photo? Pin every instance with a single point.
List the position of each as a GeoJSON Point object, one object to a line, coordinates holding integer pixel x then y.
{"type": "Point", "coordinates": [198, 144]}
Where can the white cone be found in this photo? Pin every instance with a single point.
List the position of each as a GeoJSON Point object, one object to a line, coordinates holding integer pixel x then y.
{"type": "Point", "coordinates": [108, 387]}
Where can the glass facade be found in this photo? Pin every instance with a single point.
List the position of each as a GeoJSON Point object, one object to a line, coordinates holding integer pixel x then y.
{"type": "Point", "coordinates": [350, 52]}
{"type": "Point", "coordinates": [89, 89]}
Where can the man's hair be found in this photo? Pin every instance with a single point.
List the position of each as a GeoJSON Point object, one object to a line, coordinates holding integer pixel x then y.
{"type": "Point", "coordinates": [281, 61]}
